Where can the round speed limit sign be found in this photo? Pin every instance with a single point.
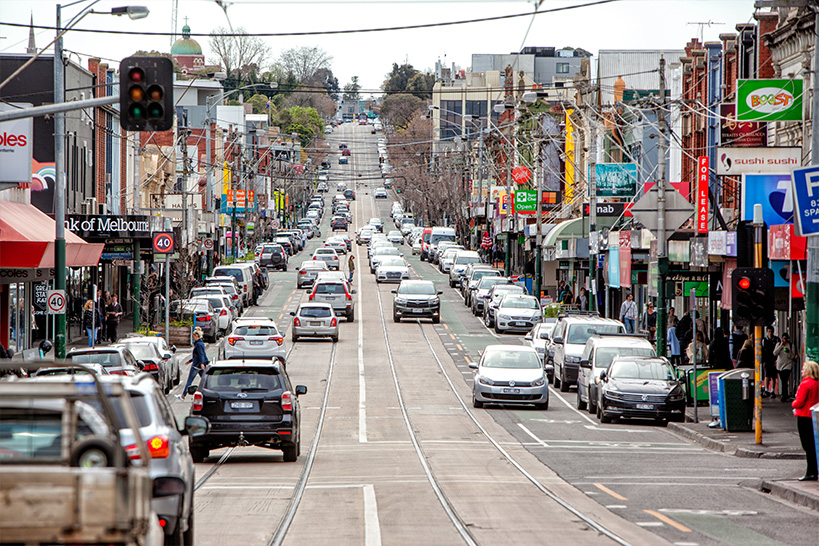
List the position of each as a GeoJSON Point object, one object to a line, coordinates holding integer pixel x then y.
{"type": "Point", "coordinates": [163, 242]}
{"type": "Point", "coordinates": [55, 302]}
{"type": "Point", "coordinates": [274, 224]}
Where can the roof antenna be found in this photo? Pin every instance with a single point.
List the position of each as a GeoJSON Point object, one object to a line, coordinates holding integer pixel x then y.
{"type": "Point", "coordinates": [702, 26]}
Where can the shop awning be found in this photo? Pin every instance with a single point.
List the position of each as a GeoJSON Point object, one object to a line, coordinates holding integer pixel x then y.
{"type": "Point", "coordinates": [27, 240]}
{"type": "Point", "coordinates": [576, 228]}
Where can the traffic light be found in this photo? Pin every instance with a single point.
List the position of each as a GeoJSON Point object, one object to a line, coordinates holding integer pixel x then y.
{"type": "Point", "coordinates": [146, 94]}
{"type": "Point", "coordinates": [753, 296]}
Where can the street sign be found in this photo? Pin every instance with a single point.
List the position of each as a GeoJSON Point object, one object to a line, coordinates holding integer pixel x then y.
{"type": "Point", "coordinates": [524, 201]}
{"type": "Point", "coordinates": [163, 242]}
{"type": "Point", "coordinates": [521, 174]}
{"type": "Point", "coordinates": [208, 244]}
{"type": "Point", "coordinates": [806, 200]}
{"type": "Point", "coordinates": [677, 210]}
{"type": "Point", "coordinates": [56, 302]}
{"type": "Point", "coordinates": [274, 224]}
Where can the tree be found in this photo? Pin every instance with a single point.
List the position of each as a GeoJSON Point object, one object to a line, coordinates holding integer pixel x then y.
{"type": "Point", "coordinates": [239, 55]}
{"type": "Point", "coordinates": [421, 85]}
{"type": "Point", "coordinates": [398, 79]}
{"type": "Point", "coordinates": [304, 63]}
{"type": "Point", "coordinates": [400, 109]}
{"type": "Point", "coordinates": [351, 90]}
{"type": "Point", "coordinates": [323, 104]}
{"type": "Point", "coordinates": [297, 119]}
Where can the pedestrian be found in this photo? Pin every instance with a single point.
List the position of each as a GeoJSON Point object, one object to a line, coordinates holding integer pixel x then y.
{"type": "Point", "coordinates": [738, 338]}
{"type": "Point", "coordinates": [673, 342]}
{"type": "Point", "coordinates": [671, 315]}
{"type": "Point", "coordinates": [784, 365]}
{"type": "Point", "coordinates": [719, 354]}
{"type": "Point", "coordinates": [701, 350]}
{"type": "Point", "coordinates": [90, 321]}
{"type": "Point", "coordinates": [628, 313]}
{"type": "Point", "coordinates": [199, 362]}
{"type": "Point", "coordinates": [807, 396]}
{"type": "Point", "coordinates": [583, 300]}
{"type": "Point", "coordinates": [568, 297]}
{"type": "Point", "coordinates": [351, 266]}
{"type": "Point", "coordinates": [113, 313]}
{"type": "Point", "coordinates": [770, 375]}
{"type": "Point", "coordinates": [745, 358]}
{"type": "Point", "coordinates": [102, 304]}
{"type": "Point", "coordinates": [650, 322]}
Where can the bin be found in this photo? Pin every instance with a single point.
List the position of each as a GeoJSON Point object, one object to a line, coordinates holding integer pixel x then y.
{"type": "Point", "coordinates": [736, 400]}
{"type": "Point", "coordinates": [702, 391]}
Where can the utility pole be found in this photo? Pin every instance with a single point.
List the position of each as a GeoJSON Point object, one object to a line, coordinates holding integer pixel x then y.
{"type": "Point", "coordinates": [137, 267]}
{"type": "Point", "coordinates": [662, 252]}
{"type": "Point", "coordinates": [758, 234]}
{"type": "Point", "coordinates": [539, 221]}
{"type": "Point", "coordinates": [593, 208]}
{"type": "Point", "coordinates": [59, 185]}
{"type": "Point", "coordinates": [812, 285]}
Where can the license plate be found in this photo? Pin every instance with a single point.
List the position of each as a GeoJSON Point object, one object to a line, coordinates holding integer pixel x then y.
{"type": "Point", "coordinates": [417, 310]}
{"type": "Point", "coordinates": [511, 391]}
{"type": "Point", "coordinates": [255, 342]}
{"type": "Point", "coordinates": [645, 406]}
{"type": "Point", "coordinates": [241, 405]}
{"type": "Point", "coordinates": [315, 324]}
{"type": "Point", "coordinates": [330, 297]}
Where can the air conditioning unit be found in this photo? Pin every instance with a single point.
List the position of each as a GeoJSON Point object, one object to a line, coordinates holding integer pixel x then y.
{"type": "Point", "coordinates": [103, 209]}
{"type": "Point", "coordinates": [89, 206]}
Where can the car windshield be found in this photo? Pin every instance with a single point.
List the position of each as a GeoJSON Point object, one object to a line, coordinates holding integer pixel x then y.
{"type": "Point", "coordinates": [314, 265]}
{"type": "Point", "coordinates": [330, 288]}
{"type": "Point", "coordinates": [242, 379]}
{"type": "Point", "coordinates": [511, 359]}
{"type": "Point", "coordinates": [386, 251]}
{"type": "Point", "coordinates": [580, 333]}
{"type": "Point", "coordinates": [604, 355]}
{"type": "Point", "coordinates": [397, 261]}
{"type": "Point", "coordinates": [425, 289]}
{"type": "Point", "coordinates": [214, 302]}
{"type": "Point", "coordinates": [255, 330]}
{"type": "Point", "coordinates": [104, 359]}
{"type": "Point", "coordinates": [316, 312]}
{"type": "Point", "coordinates": [490, 281]}
{"type": "Point", "coordinates": [460, 260]}
{"type": "Point", "coordinates": [481, 273]}
{"type": "Point", "coordinates": [394, 234]}
{"type": "Point", "coordinates": [142, 351]}
{"type": "Point", "coordinates": [520, 303]}
{"type": "Point", "coordinates": [439, 237]}
{"type": "Point", "coordinates": [642, 369]}
{"type": "Point", "coordinates": [503, 289]}
{"type": "Point", "coordinates": [233, 272]}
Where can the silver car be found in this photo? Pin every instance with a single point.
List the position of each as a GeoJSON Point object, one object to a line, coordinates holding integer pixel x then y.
{"type": "Point", "coordinates": [537, 339]}
{"type": "Point", "coordinates": [510, 374]}
{"type": "Point", "coordinates": [315, 320]}
{"type": "Point", "coordinates": [392, 269]}
{"type": "Point", "coordinates": [395, 237]}
{"type": "Point", "coordinates": [308, 272]}
{"type": "Point", "coordinates": [254, 339]}
{"type": "Point", "coordinates": [380, 253]}
{"type": "Point", "coordinates": [480, 294]}
{"type": "Point", "coordinates": [337, 293]}
{"type": "Point", "coordinates": [496, 294]}
{"type": "Point", "coordinates": [517, 312]}
{"type": "Point", "coordinates": [329, 255]}
{"type": "Point", "coordinates": [164, 349]}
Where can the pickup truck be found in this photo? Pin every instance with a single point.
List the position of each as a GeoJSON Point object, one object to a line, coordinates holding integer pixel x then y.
{"type": "Point", "coordinates": [64, 476]}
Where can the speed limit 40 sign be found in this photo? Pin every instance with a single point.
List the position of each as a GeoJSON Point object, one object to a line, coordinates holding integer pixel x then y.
{"type": "Point", "coordinates": [55, 302]}
{"type": "Point", "coordinates": [163, 242]}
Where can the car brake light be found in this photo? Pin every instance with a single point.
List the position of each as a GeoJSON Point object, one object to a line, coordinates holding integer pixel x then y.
{"type": "Point", "coordinates": [313, 293]}
{"type": "Point", "coordinates": [302, 272]}
{"type": "Point", "coordinates": [278, 339]}
{"type": "Point", "coordinates": [232, 340]}
{"type": "Point", "coordinates": [133, 452]}
{"type": "Point", "coordinates": [197, 401]}
{"type": "Point", "coordinates": [244, 288]}
{"type": "Point", "coordinates": [287, 401]}
{"type": "Point", "coordinates": [159, 447]}
{"type": "Point", "coordinates": [314, 257]}
{"type": "Point", "coordinates": [296, 322]}
{"type": "Point", "coordinates": [118, 372]}
{"type": "Point", "coordinates": [223, 313]}
{"type": "Point", "coordinates": [206, 318]}
{"type": "Point", "coordinates": [150, 367]}
{"type": "Point", "coordinates": [334, 322]}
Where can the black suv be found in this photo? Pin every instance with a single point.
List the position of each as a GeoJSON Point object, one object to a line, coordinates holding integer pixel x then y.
{"type": "Point", "coordinates": [415, 299]}
{"type": "Point", "coordinates": [273, 256]}
{"type": "Point", "coordinates": [248, 402]}
{"type": "Point", "coordinates": [338, 223]}
{"type": "Point", "coordinates": [349, 194]}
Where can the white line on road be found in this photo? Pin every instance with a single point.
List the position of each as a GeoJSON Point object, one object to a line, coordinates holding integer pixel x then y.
{"type": "Point", "coordinates": [571, 407]}
{"type": "Point", "coordinates": [372, 529]}
{"type": "Point", "coordinates": [649, 523]}
{"type": "Point", "coordinates": [532, 434]}
{"type": "Point", "coordinates": [362, 391]}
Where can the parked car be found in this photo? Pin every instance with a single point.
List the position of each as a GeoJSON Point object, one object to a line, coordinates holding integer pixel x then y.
{"type": "Point", "coordinates": [569, 338]}
{"type": "Point", "coordinates": [117, 360]}
{"type": "Point", "coordinates": [448, 257]}
{"type": "Point", "coordinates": [243, 277]}
{"type": "Point", "coordinates": [537, 338]}
{"type": "Point", "coordinates": [641, 388]}
{"type": "Point", "coordinates": [258, 338]}
{"type": "Point", "coordinates": [314, 320]}
{"type": "Point", "coordinates": [416, 299]}
{"type": "Point", "coordinates": [395, 237]}
{"type": "Point", "coordinates": [201, 312]}
{"type": "Point", "coordinates": [517, 313]}
{"type": "Point", "coordinates": [380, 193]}
{"type": "Point", "coordinates": [154, 363]}
{"type": "Point", "coordinates": [164, 349]}
{"type": "Point", "coordinates": [495, 295]}
{"type": "Point", "coordinates": [273, 256]}
{"type": "Point", "coordinates": [462, 259]}
{"type": "Point", "coordinates": [509, 375]}
{"type": "Point", "coordinates": [308, 271]}
{"type": "Point", "coordinates": [471, 276]}
{"type": "Point", "coordinates": [478, 294]}
{"type": "Point", "coordinates": [221, 309]}
{"type": "Point", "coordinates": [251, 402]}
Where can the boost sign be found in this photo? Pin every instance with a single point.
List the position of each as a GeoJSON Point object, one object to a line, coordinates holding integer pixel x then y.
{"type": "Point", "coordinates": [769, 100]}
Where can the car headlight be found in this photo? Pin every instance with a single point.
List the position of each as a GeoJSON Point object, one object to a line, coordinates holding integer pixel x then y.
{"type": "Point", "coordinates": [401, 301]}
{"type": "Point", "coordinates": [539, 382]}
{"type": "Point", "coordinates": [434, 301]}
{"type": "Point", "coordinates": [675, 395]}
{"type": "Point", "coordinates": [504, 317]}
{"type": "Point", "coordinates": [614, 394]}
{"type": "Point", "coordinates": [485, 380]}
{"type": "Point", "coordinates": [572, 359]}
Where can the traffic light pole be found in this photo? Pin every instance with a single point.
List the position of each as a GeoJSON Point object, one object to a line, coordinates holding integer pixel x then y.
{"type": "Point", "coordinates": [758, 234]}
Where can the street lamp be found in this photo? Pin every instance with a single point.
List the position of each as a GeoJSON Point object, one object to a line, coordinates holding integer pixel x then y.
{"type": "Point", "coordinates": [134, 12]}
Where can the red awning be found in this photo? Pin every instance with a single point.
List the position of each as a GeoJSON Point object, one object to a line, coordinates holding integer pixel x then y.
{"type": "Point", "coordinates": [27, 240]}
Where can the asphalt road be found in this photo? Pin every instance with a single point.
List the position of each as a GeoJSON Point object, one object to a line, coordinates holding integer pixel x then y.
{"type": "Point", "coordinates": [402, 457]}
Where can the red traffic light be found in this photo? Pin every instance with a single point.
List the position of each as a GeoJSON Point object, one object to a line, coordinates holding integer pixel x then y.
{"type": "Point", "coordinates": [744, 283]}
{"type": "Point", "coordinates": [136, 75]}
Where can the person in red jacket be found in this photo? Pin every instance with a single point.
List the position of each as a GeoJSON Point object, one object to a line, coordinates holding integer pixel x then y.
{"type": "Point", "coordinates": [807, 396]}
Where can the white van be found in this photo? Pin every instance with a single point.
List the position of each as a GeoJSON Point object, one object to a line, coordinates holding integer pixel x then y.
{"type": "Point", "coordinates": [439, 235]}
{"type": "Point", "coordinates": [243, 273]}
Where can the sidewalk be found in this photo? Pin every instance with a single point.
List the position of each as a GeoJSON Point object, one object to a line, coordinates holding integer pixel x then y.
{"type": "Point", "coordinates": [779, 441]}
{"type": "Point", "coordinates": [80, 339]}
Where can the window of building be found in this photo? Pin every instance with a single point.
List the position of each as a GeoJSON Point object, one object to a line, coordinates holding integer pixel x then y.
{"type": "Point", "coordinates": [562, 68]}
{"type": "Point", "coordinates": [451, 119]}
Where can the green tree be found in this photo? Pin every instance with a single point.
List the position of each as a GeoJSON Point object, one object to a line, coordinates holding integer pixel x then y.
{"type": "Point", "coordinates": [351, 90]}
{"type": "Point", "coordinates": [399, 77]}
{"type": "Point", "coordinates": [297, 119]}
{"type": "Point", "coordinates": [421, 85]}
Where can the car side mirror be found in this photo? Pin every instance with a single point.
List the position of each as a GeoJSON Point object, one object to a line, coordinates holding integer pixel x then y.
{"type": "Point", "coordinates": [528, 337]}
{"type": "Point", "coordinates": [195, 425]}
{"type": "Point", "coordinates": [192, 389]}
{"type": "Point", "coordinates": [440, 292]}
{"type": "Point", "coordinates": [393, 291]}
{"type": "Point", "coordinates": [292, 313]}
{"type": "Point", "coordinates": [301, 389]}
{"type": "Point", "coordinates": [473, 366]}
{"type": "Point", "coordinates": [558, 340]}
{"type": "Point", "coordinates": [585, 364]}
{"type": "Point", "coordinates": [544, 336]}
{"type": "Point", "coordinates": [604, 376]}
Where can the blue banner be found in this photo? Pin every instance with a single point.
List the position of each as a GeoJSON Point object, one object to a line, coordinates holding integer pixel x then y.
{"type": "Point", "coordinates": [773, 192]}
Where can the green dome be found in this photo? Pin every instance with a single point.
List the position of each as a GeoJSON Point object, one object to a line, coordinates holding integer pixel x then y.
{"type": "Point", "coordinates": [186, 46]}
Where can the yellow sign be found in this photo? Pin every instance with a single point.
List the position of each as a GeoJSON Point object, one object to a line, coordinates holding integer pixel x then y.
{"type": "Point", "coordinates": [568, 190]}
{"type": "Point", "coordinates": [225, 177]}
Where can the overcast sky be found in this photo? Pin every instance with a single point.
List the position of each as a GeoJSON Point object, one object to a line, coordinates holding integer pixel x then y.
{"type": "Point", "coordinates": [623, 24]}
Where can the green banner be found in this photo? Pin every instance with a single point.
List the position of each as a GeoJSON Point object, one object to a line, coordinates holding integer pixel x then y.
{"type": "Point", "coordinates": [769, 100]}
{"type": "Point", "coordinates": [525, 201]}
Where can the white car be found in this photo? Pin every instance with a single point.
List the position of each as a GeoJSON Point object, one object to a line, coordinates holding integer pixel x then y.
{"type": "Point", "coordinates": [222, 308]}
{"type": "Point", "coordinates": [392, 269]}
{"type": "Point", "coordinates": [337, 244]}
{"type": "Point", "coordinates": [380, 193]}
{"type": "Point", "coordinates": [329, 255]}
{"type": "Point", "coordinates": [395, 237]}
{"type": "Point", "coordinates": [379, 253]}
{"type": "Point", "coordinates": [258, 337]}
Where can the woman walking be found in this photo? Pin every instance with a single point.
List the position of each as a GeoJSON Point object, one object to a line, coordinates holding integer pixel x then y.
{"type": "Point", "coordinates": [784, 366]}
{"type": "Point", "coordinates": [807, 395]}
{"type": "Point", "coordinates": [90, 321]}
{"type": "Point", "coordinates": [199, 362]}
{"type": "Point", "coordinates": [673, 342]}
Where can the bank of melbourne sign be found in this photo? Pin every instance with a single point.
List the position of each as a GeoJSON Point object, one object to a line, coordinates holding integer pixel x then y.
{"type": "Point", "coordinates": [769, 100]}
{"type": "Point", "coordinates": [105, 226]}
{"type": "Point", "coordinates": [616, 179]}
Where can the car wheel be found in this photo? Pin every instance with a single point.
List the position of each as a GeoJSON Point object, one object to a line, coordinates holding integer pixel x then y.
{"type": "Point", "coordinates": [396, 318]}
{"type": "Point", "coordinates": [564, 386]}
{"type": "Point", "coordinates": [290, 453]}
{"type": "Point", "coordinates": [199, 453]}
{"type": "Point", "coordinates": [581, 405]}
{"type": "Point", "coordinates": [295, 338]}
{"type": "Point", "coordinates": [556, 380]}
{"type": "Point", "coordinates": [592, 404]}
{"type": "Point", "coordinates": [93, 452]}
{"type": "Point", "coordinates": [451, 284]}
{"type": "Point", "coordinates": [476, 403]}
{"type": "Point", "coordinates": [351, 316]}
{"type": "Point", "coordinates": [335, 339]}
{"type": "Point", "coordinates": [602, 416]}
{"type": "Point", "coordinates": [497, 330]}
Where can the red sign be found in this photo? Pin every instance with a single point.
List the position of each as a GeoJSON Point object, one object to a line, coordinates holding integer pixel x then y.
{"type": "Point", "coordinates": [163, 242]}
{"type": "Point", "coordinates": [521, 174]}
{"type": "Point", "coordinates": [683, 188]}
{"type": "Point", "coordinates": [702, 194]}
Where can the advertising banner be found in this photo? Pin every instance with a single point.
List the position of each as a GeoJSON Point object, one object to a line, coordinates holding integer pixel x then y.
{"type": "Point", "coordinates": [702, 195]}
{"type": "Point", "coordinates": [740, 134]}
{"type": "Point", "coordinates": [616, 179]}
{"type": "Point", "coordinates": [737, 161]}
{"type": "Point", "coordinates": [109, 226]}
{"type": "Point", "coordinates": [16, 147]}
{"type": "Point", "coordinates": [773, 192]}
{"type": "Point", "coordinates": [769, 100]}
{"type": "Point", "coordinates": [524, 201]}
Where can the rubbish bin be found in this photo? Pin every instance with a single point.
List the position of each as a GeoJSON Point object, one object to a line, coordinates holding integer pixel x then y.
{"type": "Point", "coordinates": [736, 400]}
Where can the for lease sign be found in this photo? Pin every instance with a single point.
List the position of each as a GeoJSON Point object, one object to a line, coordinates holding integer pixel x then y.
{"type": "Point", "coordinates": [769, 100]}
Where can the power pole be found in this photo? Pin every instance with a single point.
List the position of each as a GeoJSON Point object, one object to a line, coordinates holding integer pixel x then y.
{"type": "Point", "coordinates": [59, 186]}
{"type": "Point", "coordinates": [662, 252]}
{"type": "Point", "coordinates": [593, 208]}
{"type": "Point", "coordinates": [812, 286]}
{"type": "Point", "coordinates": [539, 222]}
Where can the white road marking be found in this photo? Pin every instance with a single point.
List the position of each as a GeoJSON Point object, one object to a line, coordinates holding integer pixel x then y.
{"type": "Point", "coordinates": [372, 529]}
{"type": "Point", "coordinates": [362, 391]}
{"type": "Point", "coordinates": [571, 407]}
{"type": "Point", "coordinates": [532, 435]}
{"type": "Point", "coordinates": [613, 506]}
{"type": "Point", "coordinates": [649, 523]}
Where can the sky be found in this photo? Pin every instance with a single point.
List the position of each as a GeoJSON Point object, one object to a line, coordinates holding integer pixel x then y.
{"type": "Point", "coordinates": [619, 24]}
